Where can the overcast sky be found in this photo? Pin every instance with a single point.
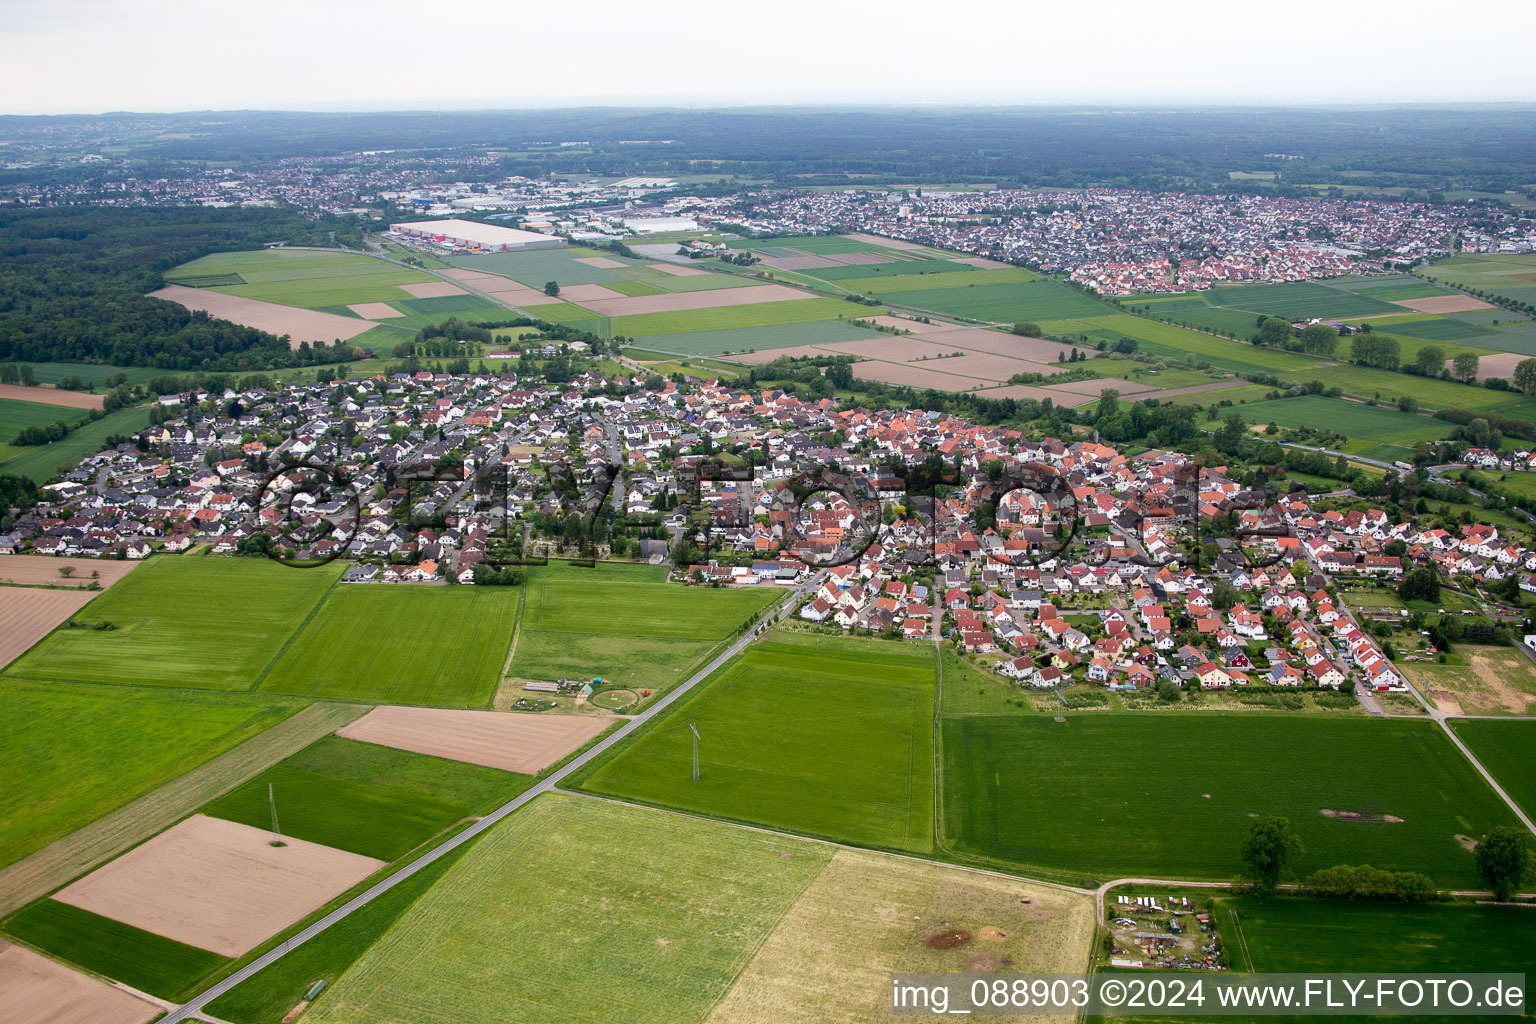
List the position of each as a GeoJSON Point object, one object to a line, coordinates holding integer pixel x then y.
{"type": "Point", "coordinates": [89, 56]}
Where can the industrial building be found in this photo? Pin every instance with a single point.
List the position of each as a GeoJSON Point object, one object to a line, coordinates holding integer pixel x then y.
{"type": "Point", "coordinates": [466, 234]}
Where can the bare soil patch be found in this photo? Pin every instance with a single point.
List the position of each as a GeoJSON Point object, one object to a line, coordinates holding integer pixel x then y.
{"type": "Point", "coordinates": [585, 292]}
{"type": "Point", "coordinates": [523, 296]}
{"type": "Point", "coordinates": [999, 343]}
{"type": "Point", "coordinates": [37, 990]}
{"type": "Point", "coordinates": [916, 375]}
{"type": "Point", "coordinates": [1500, 364]}
{"type": "Point", "coordinates": [899, 349]}
{"type": "Point", "coordinates": [885, 243]}
{"type": "Point", "coordinates": [947, 938]}
{"type": "Point", "coordinates": [43, 570]}
{"type": "Point", "coordinates": [672, 302]}
{"type": "Point", "coordinates": [432, 289]}
{"type": "Point", "coordinates": [981, 263]}
{"type": "Point", "coordinates": [1444, 304]}
{"type": "Point", "coordinates": [859, 259]}
{"type": "Point", "coordinates": [298, 324]}
{"type": "Point", "coordinates": [374, 310]}
{"type": "Point", "coordinates": [677, 270]}
{"type": "Point", "coordinates": [1467, 842]}
{"type": "Point", "coordinates": [601, 262]}
{"type": "Point", "coordinates": [1361, 817]}
{"type": "Point", "coordinates": [991, 934]}
{"type": "Point", "coordinates": [28, 614]}
{"type": "Point", "coordinates": [51, 396]}
{"type": "Point", "coordinates": [1495, 675]}
{"type": "Point", "coordinates": [1195, 389]}
{"type": "Point", "coordinates": [987, 963]}
{"type": "Point", "coordinates": [1098, 384]}
{"type": "Point", "coordinates": [768, 355]}
{"type": "Point", "coordinates": [1446, 701]}
{"type": "Point", "coordinates": [1065, 398]}
{"type": "Point", "coordinates": [217, 884]}
{"type": "Point", "coordinates": [514, 743]}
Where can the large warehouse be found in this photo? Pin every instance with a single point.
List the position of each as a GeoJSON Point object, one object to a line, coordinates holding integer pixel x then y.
{"type": "Point", "coordinates": [466, 234]}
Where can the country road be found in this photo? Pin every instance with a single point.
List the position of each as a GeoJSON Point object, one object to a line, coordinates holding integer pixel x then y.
{"type": "Point", "coordinates": [194, 1007]}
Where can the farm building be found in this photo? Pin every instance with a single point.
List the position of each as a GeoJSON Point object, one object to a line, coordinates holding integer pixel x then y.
{"type": "Point", "coordinates": [466, 234]}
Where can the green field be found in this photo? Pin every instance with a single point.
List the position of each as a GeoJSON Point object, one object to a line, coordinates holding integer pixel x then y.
{"type": "Point", "coordinates": [1431, 393]}
{"type": "Point", "coordinates": [1506, 274]}
{"type": "Point", "coordinates": [755, 339]}
{"type": "Point", "coordinates": [16, 416]}
{"type": "Point", "coordinates": [41, 463]}
{"type": "Point", "coordinates": [1111, 795]}
{"type": "Point", "coordinates": [598, 912]}
{"type": "Point", "coordinates": [541, 265]}
{"type": "Point", "coordinates": [727, 318]}
{"type": "Point", "coordinates": [1504, 748]}
{"type": "Point", "coordinates": [74, 753]}
{"type": "Point", "coordinates": [184, 621]}
{"type": "Point", "coordinates": [1299, 299]}
{"type": "Point", "coordinates": [851, 723]}
{"type": "Point", "coordinates": [1361, 422]}
{"type": "Point", "coordinates": [376, 801]}
{"type": "Point", "coordinates": [816, 244]}
{"type": "Point", "coordinates": [94, 374]}
{"type": "Point", "coordinates": [999, 303]}
{"type": "Point", "coordinates": [148, 962]}
{"type": "Point", "coordinates": [1283, 934]}
{"type": "Point", "coordinates": [441, 645]}
{"type": "Point", "coordinates": [267, 997]}
{"type": "Point", "coordinates": [623, 623]}
{"type": "Point", "coordinates": [308, 279]}
{"type": "Point", "coordinates": [1177, 342]}
{"type": "Point", "coordinates": [968, 278]}
{"type": "Point", "coordinates": [884, 271]}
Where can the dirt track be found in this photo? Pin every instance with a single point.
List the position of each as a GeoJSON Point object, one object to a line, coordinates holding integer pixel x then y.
{"type": "Point", "coordinates": [217, 885]}
{"type": "Point", "coordinates": [513, 742]}
{"type": "Point", "coordinates": [37, 990]}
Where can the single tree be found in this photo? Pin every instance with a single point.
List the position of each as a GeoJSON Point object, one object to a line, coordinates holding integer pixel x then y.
{"type": "Point", "coordinates": [1465, 366]}
{"type": "Point", "coordinates": [552, 288]}
{"type": "Point", "coordinates": [1430, 360]}
{"type": "Point", "coordinates": [1504, 859]}
{"type": "Point", "coordinates": [1274, 332]}
{"type": "Point", "coordinates": [1268, 850]}
{"type": "Point", "coordinates": [1525, 375]}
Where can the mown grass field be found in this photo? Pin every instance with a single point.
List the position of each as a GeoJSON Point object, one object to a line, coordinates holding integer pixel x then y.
{"type": "Point", "coordinates": [1368, 423]}
{"type": "Point", "coordinates": [40, 463]}
{"type": "Point", "coordinates": [1504, 748]}
{"type": "Point", "coordinates": [266, 997]}
{"type": "Point", "coordinates": [624, 623]}
{"type": "Point", "coordinates": [1286, 934]}
{"type": "Point", "coordinates": [851, 724]}
{"type": "Point", "coordinates": [184, 621]}
{"type": "Point", "coordinates": [74, 753]}
{"type": "Point", "coordinates": [620, 912]}
{"type": "Point", "coordinates": [726, 318]}
{"type": "Point", "coordinates": [440, 645]}
{"type": "Point", "coordinates": [148, 962]}
{"type": "Point", "coordinates": [95, 375]}
{"type": "Point", "coordinates": [16, 416]}
{"type": "Point", "coordinates": [1111, 795]}
{"type": "Point", "coordinates": [368, 799]}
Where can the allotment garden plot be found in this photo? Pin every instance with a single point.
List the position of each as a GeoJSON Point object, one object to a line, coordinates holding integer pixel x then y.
{"type": "Point", "coordinates": [183, 621]}
{"type": "Point", "coordinates": [849, 722]}
{"type": "Point", "coordinates": [1172, 795]}
{"type": "Point", "coordinates": [404, 644]}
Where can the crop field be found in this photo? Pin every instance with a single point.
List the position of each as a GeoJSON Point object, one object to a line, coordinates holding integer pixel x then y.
{"type": "Point", "coordinates": [1506, 274]}
{"type": "Point", "coordinates": [904, 268]}
{"type": "Point", "coordinates": [1504, 748]}
{"type": "Point", "coordinates": [1431, 393]}
{"type": "Point", "coordinates": [267, 997]}
{"type": "Point", "coordinates": [1002, 303]}
{"type": "Point", "coordinates": [758, 339]}
{"type": "Point", "coordinates": [1175, 341]}
{"type": "Point", "coordinates": [638, 662]}
{"type": "Point", "coordinates": [148, 962]}
{"type": "Point", "coordinates": [851, 724]}
{"type": "Point", "coordinates": [1313, 935]}
{"type": "Point", "coordinates": [377, 801]}
{"type": "Point", "coordinates": [75, 753]}
{"type": "Point", "coordinates": [650, 917]}
{"type": "Point", "coordinates": [401, 645]}
{"type": "Point", "coordinates": [306, 279]}
{"type": "Point", "coordinates": [1105, 795]}
{"type": "Point", "coordinates": [1299, 299]}
{"type": "Point", "coordinates": [1368, 423]}
{"type": "Point", "coordinates": [200, 622]}
{"type": "Point", "coordinates": [634, 601]}
{"type": "Point", "coordinates": [725, 318]}
{"type": "Point", "coordinates": [41, 463]}
{"type": "Point", "coordinates": [541, 265]}
{"type": "Point", "coordinates": [16, 416]}
{"type": "Point", "coordinates": [966, 277]}
{"type": "Point", "coordinates": [1494, 680]}
{"type": "Point", "coordinates": [819, 245]}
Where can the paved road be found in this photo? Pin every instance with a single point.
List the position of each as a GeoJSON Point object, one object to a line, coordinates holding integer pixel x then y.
{"type": "Point", "coordinates": [194, 1007]}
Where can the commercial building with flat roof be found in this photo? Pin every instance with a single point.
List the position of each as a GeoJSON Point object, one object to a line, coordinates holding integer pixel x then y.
{"type": "Point", "coordinates": [467, 234]}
